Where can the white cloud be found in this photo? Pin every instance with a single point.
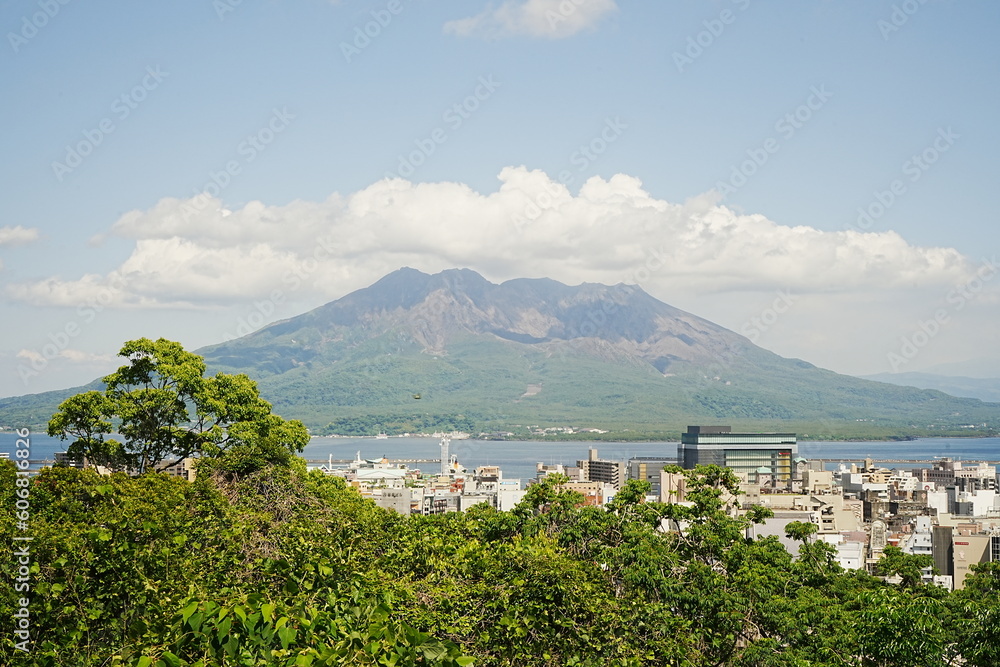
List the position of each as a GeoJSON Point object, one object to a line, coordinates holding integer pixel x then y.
{"type": "Point", "coordinates": [197, 254]}
{"type": "Point", "coordinates": [69, 354]}
{"type": "Point", "coordinates": [552, 19]}
{"type": "Point", "coordinates": [30, 355]}
{"type": "Point", "coordinates": [15, 236]}
{"type": "Point", "coordinates": [81, 357]}
{"type": "Point", "coordinates": [91, 290]}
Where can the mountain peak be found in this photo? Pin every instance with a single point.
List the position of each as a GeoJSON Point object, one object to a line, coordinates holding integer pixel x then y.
{"type": "Point", "coordinates": [534, 349]}
{"type": "Point", "coordinates": [435, 310]}
{"type": "Point", "coordinates": [405, 287]}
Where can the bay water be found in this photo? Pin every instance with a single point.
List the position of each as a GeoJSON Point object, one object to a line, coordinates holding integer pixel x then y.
{"type": "Point", "coordinates": [517, 458]}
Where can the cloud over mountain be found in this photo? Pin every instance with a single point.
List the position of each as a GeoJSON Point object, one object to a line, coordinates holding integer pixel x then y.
{"type": "Point", "coordinates": [197, 252]}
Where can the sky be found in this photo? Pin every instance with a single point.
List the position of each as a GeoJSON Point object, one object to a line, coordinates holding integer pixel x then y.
{"type": "Point", "coordinates": [811, 174]}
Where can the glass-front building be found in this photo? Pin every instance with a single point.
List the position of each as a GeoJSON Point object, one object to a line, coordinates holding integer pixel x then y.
{"type": "Point", "coordinates": [746, 453]}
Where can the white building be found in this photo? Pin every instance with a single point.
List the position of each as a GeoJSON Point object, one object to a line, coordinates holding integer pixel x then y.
{"type": "Point", "coordinates": [903, 481]}
{"type": "Point", "coordinates": [980, 503]}
{"type": "Point", "coordinates": [985, 474]}
{"type": "Point", "coordinates": [507, 499]}
{"type": "Point", "coordinates": [919, 542]}
{"type": "Point", "coordinates": [859, 482]}
{"type": "Point", "coordinates": [938, 500]}
{"type": "Point", "coordinates": [851, 554]}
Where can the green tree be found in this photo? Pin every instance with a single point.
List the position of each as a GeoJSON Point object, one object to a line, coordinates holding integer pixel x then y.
{"type": "Point", "coordinates": [800, 531]}
{"type": "Point", "coordinates": [160, 408]}
{"type": "Point", "coordinates": [908, 567]}
{"type": "Point", "coordinates": [978, 629]}
{"type": "Point", "coordinates": [901, 629]}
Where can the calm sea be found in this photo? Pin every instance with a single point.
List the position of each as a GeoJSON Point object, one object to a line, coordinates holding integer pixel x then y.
{"type": "Point", "coordinates": [517, 459]}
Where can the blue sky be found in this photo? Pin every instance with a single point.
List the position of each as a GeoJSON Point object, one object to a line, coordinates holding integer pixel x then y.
{"type": "Point", "coordinates": [717, 153]}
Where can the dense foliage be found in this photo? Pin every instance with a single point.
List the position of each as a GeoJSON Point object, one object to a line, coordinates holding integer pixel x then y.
{"type": "Point", "coordinates": [278, 566]}
{"type": "Point", "coordinates": [160, 408]}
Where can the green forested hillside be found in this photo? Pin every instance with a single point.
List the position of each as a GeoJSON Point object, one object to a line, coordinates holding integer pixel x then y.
{"type": "Point", "coordinates": [487, 381]}
{"type": "Point", "coordinates": [34, 410]}
{"type": "Point", "coordinates": [282, 567]}
{"type": "Point", "coordinates": [480, 386]}
{"type": "Point", "coordinates": [453, 348]}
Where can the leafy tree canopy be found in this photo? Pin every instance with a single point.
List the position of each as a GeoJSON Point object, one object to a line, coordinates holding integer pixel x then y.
{"type": "Point", "coordinates": [280, 566]}
{"type": "Point", "coordinates": [160, 408]}
{"type": "Point", "coordinates": [908, 567]}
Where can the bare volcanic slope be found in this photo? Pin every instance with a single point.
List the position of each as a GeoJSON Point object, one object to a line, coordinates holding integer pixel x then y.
{"type": "Point", "coordinates": [435, 311]}
{"type": "Point", "coordinates": [538, 351]}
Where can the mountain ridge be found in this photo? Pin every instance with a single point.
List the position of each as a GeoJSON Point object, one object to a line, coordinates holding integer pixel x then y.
{"type": "Point", "coordinates": [435, 308]}
{"type": "Point", "coordinates": [599, 353]}
{"type": "Point", "coordinates": [533, 350]}
{"type": "Point", "coordinates": [985, 389]}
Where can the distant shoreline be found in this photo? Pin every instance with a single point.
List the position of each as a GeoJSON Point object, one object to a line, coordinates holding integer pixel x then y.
{"type": "Point", "coordinates": [570, 438]}
{"type": "Point", "coordinates": [619, 437]}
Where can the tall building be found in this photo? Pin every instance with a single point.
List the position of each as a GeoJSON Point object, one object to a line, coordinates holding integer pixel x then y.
{"type": "Point", "coordinates": [599, 470]}
{"type": "Point", "coordinates": [649, 468]}
{"type": "Point", "coordinates": [750, 454]}
{"type": "Point", "coordinates": [968, 550]}
{"type": "Point", "coordinates": [445, 456]}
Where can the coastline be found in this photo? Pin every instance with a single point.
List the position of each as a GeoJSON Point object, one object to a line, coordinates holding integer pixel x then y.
{"type": "Point", "coordinates": [612, 437]}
